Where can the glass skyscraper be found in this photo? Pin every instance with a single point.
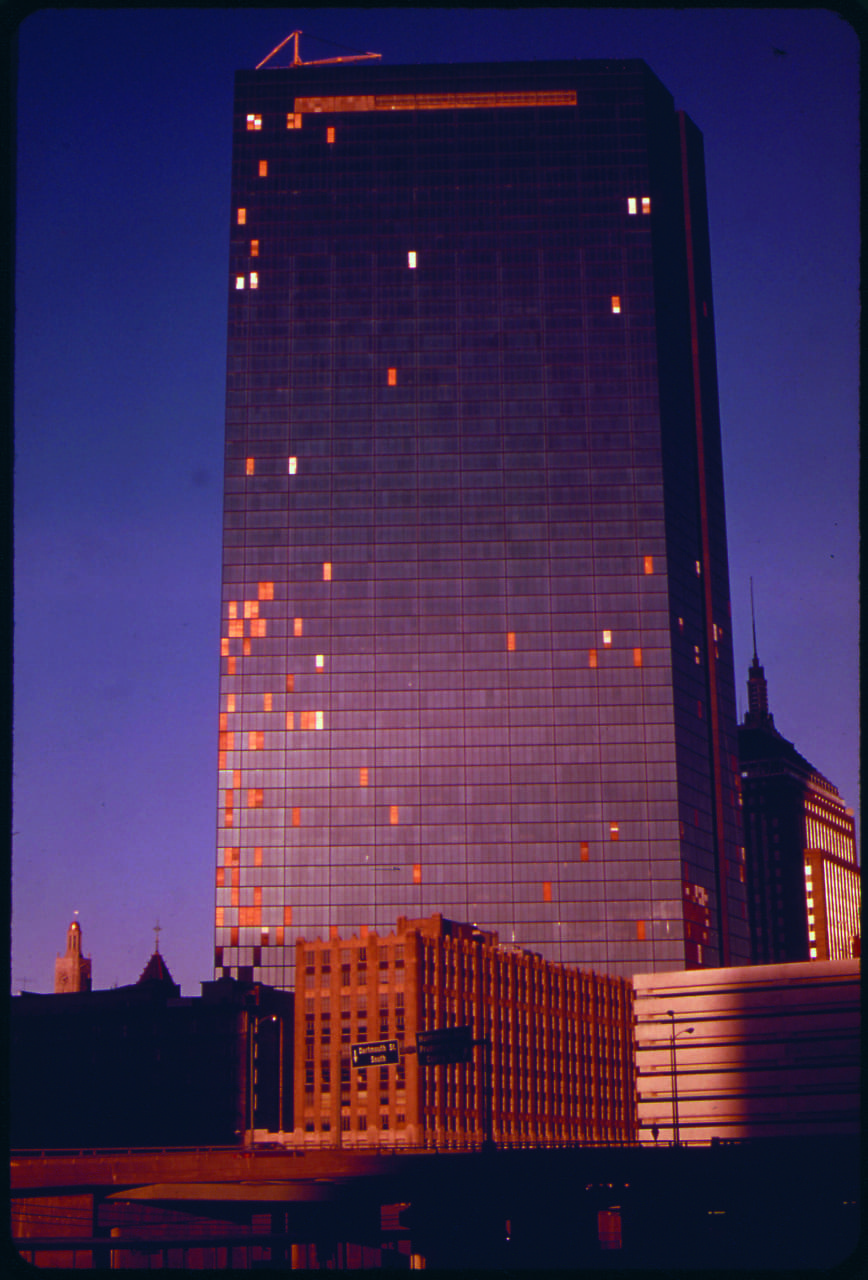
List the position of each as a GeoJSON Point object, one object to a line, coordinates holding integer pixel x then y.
{"type": "Point", "coordinates": [475, 640]}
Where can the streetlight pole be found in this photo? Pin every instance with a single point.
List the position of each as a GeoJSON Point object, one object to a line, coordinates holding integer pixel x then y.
{"type": "Point", "coordinates": [673, 1063]}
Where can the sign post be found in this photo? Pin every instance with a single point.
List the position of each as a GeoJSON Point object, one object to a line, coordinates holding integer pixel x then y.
{"type": "Point", "coordinates": [380, 1053]}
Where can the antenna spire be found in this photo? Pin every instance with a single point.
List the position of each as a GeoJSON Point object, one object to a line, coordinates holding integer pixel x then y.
{"type": "Point", "coordinates": [753, 622]}
{"type": "Point", "coordinates": [157, 932]}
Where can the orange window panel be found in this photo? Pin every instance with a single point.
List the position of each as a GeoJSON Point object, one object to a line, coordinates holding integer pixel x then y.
{"type": "Point", "coordinates": [293, 120]}
{"type": "Point", "coordinates": [250, 466]}
{"type": "Point", "coordinates": [236, 629]}
{"type": "Point", "coordinates": [393, 815]}
{"type": "Point", "coordinates": [221, 877]}
{"type": "Point", "coordinates": [614, 831]}
{"type": "Point", "coordinates": [230, 856]}
{"type": "Point", "coordinates": [363, 776]}
{"type": "Point", "coordinates": [592, 658]}
{"type": "Point", "coordinates": [218, 917]}
{"type": "Point", "coordinates": [254, 122]}
{"type": "Point", "coordinates": [230, 799]}
{"type": "Point", "coordinates": [221, 759]}
{"type": "Point", "coordinates": [258, 628]}
{"type": "Point", "coordinates": [257, 856]}
{"type": "Point", "coordinates": [584, 851]}
{"type": "Point", "coordinates": [547, 890]}
{"type": "Point", "coordinates": [233, 608]}
{"type": "Point", "coordinates": [230, 667]}
{"type": "Point", "coordinates": [224, 647]}
{"type": "Point", "coordinates": [233, 936]}
{"type": "Point", "coordinates": [264, 938]}
{"type": "Point", "coordinates": [242, 217]}
{"type": "Point", "coordinates": [510, 641]}
{"type": "Point", "coordinates": [234, 897]}
{"type": "Point", "coordinates": [263, 168]}
{"type": "Point", "coordinates": [327, 571]}
{"type": "Point", "coordinates": [278, 939]}
{"type": "Point", "coordinates": [319, 662]}
{"type": "Point", "coordinates": [245, 649]}
{"type": "Point", "coordinates": [616, 305]}
{"type": "Point", "coordinates": [649, 564]}
{"type": "Point", "coordinates": [298, 627]}
{"type": "Point", "coordinates": [290, 683]}
{"type": "Point", "coordinates": [251, 608]}
{"type": "Point", "coordinates": [289, 721]}
{"type": "Point", "coordinates": [287, 915]}
{"type": "Point", "coordinates": [227, 741]}
{"type": "Point", "coordinates": [257, 895]}
{"type": "Point", "coordinates": [417, 872]}
{"type": "Point", "coordinates": [640, 930]}
{"type": "Point", "coordinates": [266, 591]}
{"type": "Point", "coordinates": [236, 778]}
{"type": "Point", "coordinates": [230, 702]}
{"type": "Point", "coordinates": [254, 798]}
{"type": "Point", "coordinates": [256, 740]}
{"type": "Point", "coordinates": [254, 248]}
{"type": "Point", "coordinates": [330, 133]}
{"type": "Point", "coordinates": [223, 720]}
{"type": "Point", "coordinates": [296, 817]}
{"type": "Point", "coordinates": [392, 377]}
{"type": "Point", "coordinates": [637, 657]}
{"type": "Point", "coordinates": [266, 701]}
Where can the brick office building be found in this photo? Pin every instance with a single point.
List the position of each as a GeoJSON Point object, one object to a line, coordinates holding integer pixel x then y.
{"type": "Point", "coordinates": [561, 1042]}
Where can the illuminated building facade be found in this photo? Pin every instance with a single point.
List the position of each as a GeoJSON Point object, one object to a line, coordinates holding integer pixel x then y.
{"type": "Point", "coordinates": [803, 875]}
{"type": "Point", "coordinates": [475, 649]}
{"type": "Point", "coordinates": [561, 1066]}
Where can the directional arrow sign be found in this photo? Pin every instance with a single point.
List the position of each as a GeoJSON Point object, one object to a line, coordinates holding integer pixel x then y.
{"type": "Point", "coordinates": [381, 1053]}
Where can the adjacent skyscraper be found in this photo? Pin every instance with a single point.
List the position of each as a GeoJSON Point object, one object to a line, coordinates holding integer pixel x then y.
{"type": "Point", "coordinates": [804, 879]}
{"type": "Point", "coordinates": [475, 652]}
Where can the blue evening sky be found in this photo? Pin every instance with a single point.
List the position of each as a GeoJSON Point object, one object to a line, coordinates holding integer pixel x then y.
{"type": "Point", "coordinates": [124, 138]}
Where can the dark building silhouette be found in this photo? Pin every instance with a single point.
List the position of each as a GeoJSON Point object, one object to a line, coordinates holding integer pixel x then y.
{"type": "Point", "coordinates": [476, 653]}
{"type": "Point", "coordinates": [803, 876]}
{"type": "Point", "coordinates": [143, 1065]}
{"type": "Point", "coordinates": [72, 971]}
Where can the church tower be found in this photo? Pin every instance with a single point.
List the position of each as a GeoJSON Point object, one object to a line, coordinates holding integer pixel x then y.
{"type": "Point", "coordinates": [72, 971]}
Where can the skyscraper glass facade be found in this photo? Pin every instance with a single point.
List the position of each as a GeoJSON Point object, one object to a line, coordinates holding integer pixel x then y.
{"type": "Point", "coordinates": [475, 649]}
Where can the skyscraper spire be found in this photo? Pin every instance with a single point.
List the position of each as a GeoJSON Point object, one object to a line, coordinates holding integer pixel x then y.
{"type": "Point", "coordinates": [757, 716]}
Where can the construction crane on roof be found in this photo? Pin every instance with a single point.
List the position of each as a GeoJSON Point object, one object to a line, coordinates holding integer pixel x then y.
{"type": "Point", "coordinates": [319, 62]}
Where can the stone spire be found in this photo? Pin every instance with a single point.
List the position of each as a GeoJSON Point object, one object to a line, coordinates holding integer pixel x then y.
{"type": "Point", "coordinates": [72, 971]}
{"type": "Point", "coordinates": [758, 716]}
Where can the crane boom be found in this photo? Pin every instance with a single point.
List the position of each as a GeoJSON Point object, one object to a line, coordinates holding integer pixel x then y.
{"type": "Point", "coordinates": [319, 62]}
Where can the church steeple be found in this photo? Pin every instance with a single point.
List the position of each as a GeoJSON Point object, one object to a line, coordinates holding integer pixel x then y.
{"type": "Point", "coordinates": [72, 971]}
{"type": "Point", "coordinates": [758, 716]}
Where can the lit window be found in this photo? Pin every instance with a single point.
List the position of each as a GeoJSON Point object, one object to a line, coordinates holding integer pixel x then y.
{"type": "Point", "coordinates": [250, 466]}
{"type": "Point", "coordinates": [392, 377]}
{"type": "Point", "coordinates": [607, 639]}
{"type": "Point", "coordinates": [318, 720]}
{"type": "Point", "coordinates": [363, 776]}
{"type": "Point", "coordinates": [297, 626]}
{"type": "Point", "coordinates": [698, 569]}
{"type": "Point", "coordinates": [230, 702]}
{"type": "Point", "coordinates": [411, 259]}
{"type": "Point", "coordinates": [289, 721]}
{"type": "Point", "coordinates": [393, 815]}
{"type": "Point", "coordinates": [233, 608]}
{"type": "Point", "coordinates": [696, 657]}
{"type": "Point", "coordinates": [320, 662]}
{"type": "Point", "coordinates": [510, 641]}
{"type": "Point", "coordinates": [263, 168]}
{"type": "Point", "coordinates": [296, 817]}
{"type": "Point", "coordinates": [290, 683]}
{"type": "Point", "coordinates": [592, 658]}
{"type": "Point", "coordinates": [293, 120]}
{"type": "Point", "coordinates": [330, 134]}
{"type": "Point", "coordinates": [680, 624]}
{"type": "Point", "coordinates": [614, 831]}
{"type": "Point", "coordinates": [242, 217]}
{"type": "Point", "coordinates": [631, 204]}
{"type": "Point", "coordinates": [640, 930]}
{"type": "Point", "coordinates": [254, 279]}
{"type": "Point", "coordinates": [251, 608]}
{"type": "Point", "coordinates": [287, 915]}
{"type": "Point", "coordinates": [254, 248]}
{"type": "Point", "coordinates": [236, 629]}
{"type": "Point", "coordinates": [256, 740]}
{"type": "Point", "coordinates": [646, 204]}
{"type": "Point", "coordinates": [258, 627]}
{"type": "Point", "coordinates": [327, 572]}
{"type": "Point", "coordinates": [637, 657]}
{"type": "Point", "coordinates": [417, 872]}
{"type": "Point", "coordinates": [266, 591]}
{"type": "Point", "coordinates": [230, 669]}
{"type": "Point", "coordinates": [547, 890]}
{"type": "Point", "coordinates": [616, 305]}
{"type": "Point", "coordinates": [239, 282]}
{"type": "Point", "coordinates": [649, 564]}
{"type": "Point", "coordinates": [584, 851]}
{"type": "Point", "coordinates": [245, 649]}
{"type": "Point", "coordinates": [254, 122]}
{"type": "Point", "coordinates": [293, 466]}
{"type": "Point", "coordinates": [224, 648]}
{"type": "Point", "coordinates": [218, 917]}
{"type": "Point", "coordinates": [254, 798]}
{"type": "Point", "coordinates": [266, 701]}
